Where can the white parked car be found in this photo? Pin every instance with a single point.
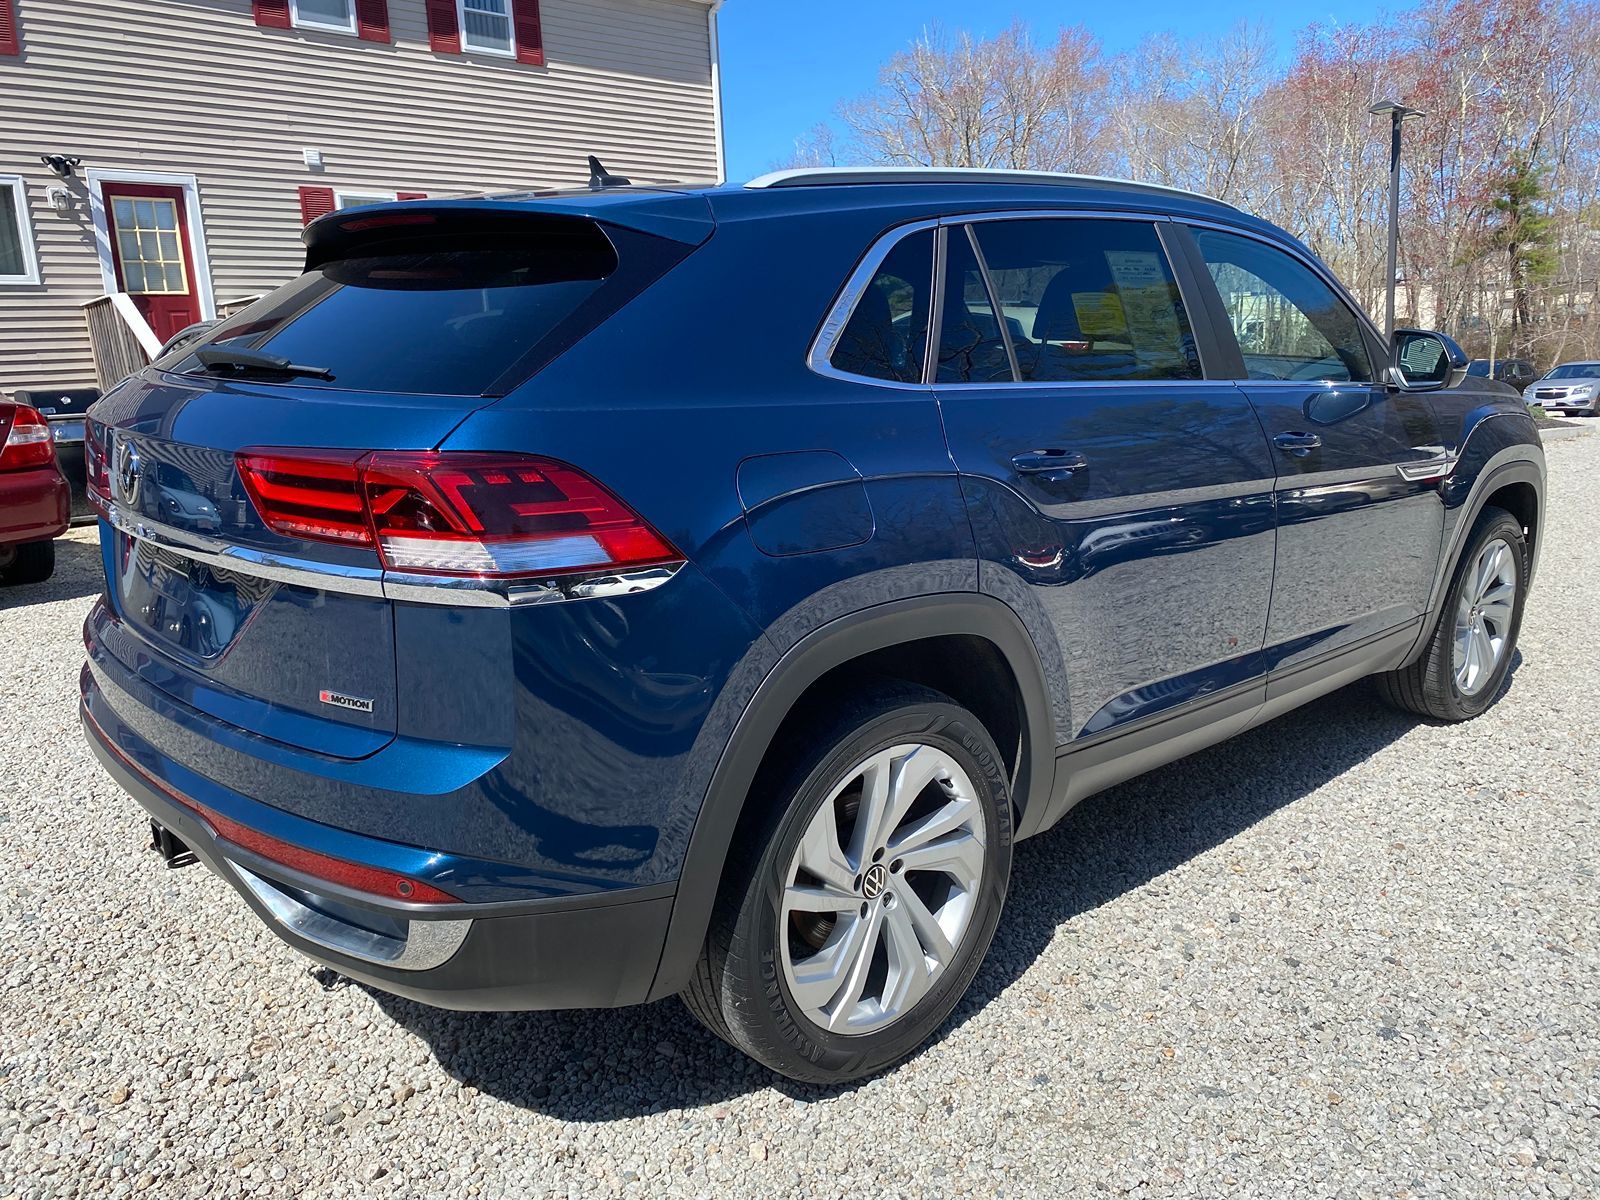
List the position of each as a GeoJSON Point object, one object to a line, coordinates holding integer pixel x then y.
{"type": "Point", "coordinates": [1570, 388]}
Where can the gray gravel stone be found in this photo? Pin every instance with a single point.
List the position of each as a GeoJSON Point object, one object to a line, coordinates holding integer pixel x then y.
{"type": "Point", "coordinates": [1348, 954]}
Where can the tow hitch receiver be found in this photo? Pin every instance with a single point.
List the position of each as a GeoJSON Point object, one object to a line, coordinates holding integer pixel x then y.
{"type": "Point", "coordinates": [174, 852]}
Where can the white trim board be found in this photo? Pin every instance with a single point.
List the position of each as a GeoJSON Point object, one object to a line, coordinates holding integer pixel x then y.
{"type": "Point", "coordinates": [97, 178]}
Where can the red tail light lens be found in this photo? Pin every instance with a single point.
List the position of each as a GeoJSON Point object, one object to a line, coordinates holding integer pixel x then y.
{"type": "Point", "coordinates": [97, 479]}
{"type": "Point", "coordinates": [468, 514]}
{"type": "Point", "coordinates": [311, 494]}
{"type": "Point", "coordinates": [28, 442]}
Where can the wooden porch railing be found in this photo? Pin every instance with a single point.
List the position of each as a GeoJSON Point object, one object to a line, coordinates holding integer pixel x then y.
{"type": "Point", "coordinates": [120, 339]}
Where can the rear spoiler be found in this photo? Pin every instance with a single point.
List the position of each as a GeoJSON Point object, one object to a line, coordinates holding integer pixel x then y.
{"type": "Point", "coordinates": [683, 217]}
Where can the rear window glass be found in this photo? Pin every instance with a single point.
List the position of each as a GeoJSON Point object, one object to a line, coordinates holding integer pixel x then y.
{"type": "Point", "coordinates": [462, 316]}
{"type": "Point", "coordinates": [887, 335]}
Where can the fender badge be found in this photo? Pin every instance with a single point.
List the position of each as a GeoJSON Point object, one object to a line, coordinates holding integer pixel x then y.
{"type": "Point", "coordinates": [340, 700]}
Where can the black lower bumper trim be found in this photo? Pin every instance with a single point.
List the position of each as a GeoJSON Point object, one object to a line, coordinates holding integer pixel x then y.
{"type": "Point", "coordinates": [599, 956]}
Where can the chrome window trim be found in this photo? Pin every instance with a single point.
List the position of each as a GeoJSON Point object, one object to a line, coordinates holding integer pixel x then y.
{"type": "Point", "coordinates": [844, 307]}
{"type": "Point", "coordinates": [376, 583]}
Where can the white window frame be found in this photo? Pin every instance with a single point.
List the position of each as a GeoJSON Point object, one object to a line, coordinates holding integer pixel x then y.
{"type": "Point", "coordinates": [367, 197]}
{"type": "Point", "coordinates": [300, 22]}
{"type": "Point", "coordinates": [30, 249]}
{"type": "Point", "coordinates": [495, 51]}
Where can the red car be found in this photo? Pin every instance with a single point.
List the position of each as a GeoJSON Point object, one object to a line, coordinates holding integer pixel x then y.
{"type": "Point", "coordinates": [34, 496]}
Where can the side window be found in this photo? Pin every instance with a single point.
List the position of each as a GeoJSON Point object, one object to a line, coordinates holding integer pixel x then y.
{"type": "Point", "coordinates": [1289, 323]}
{"type": "Point", "coordinates": [1088, 300]}
{"type": "Point", "coordinates": [18, 263]}
{"type": "Point", "coordinates": [887, 334]}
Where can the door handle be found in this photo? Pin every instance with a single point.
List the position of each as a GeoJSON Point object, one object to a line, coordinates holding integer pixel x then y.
{"type": "Point", "coordinates": [1050, 466]}
{"type": "Point", "coordinates": [1297, 444]}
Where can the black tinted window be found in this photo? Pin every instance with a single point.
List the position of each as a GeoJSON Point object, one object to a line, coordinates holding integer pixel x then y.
{"type": "Point", "coordinates": [1289, 323]}
{"type": "Point", "coordinates": [887, 335]}
{"type": "Point", "coordinates": [448, 317]}
{"type": "Point", "coordinates": [1080, 301]}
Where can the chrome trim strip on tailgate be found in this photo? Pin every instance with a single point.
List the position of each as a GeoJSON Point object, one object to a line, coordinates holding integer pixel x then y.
{"type": "Point", "coordinates": [380, 584]}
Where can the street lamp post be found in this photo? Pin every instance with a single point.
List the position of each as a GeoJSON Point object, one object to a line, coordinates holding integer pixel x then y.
{"type": "Point", "coordinates": [1398, 115]}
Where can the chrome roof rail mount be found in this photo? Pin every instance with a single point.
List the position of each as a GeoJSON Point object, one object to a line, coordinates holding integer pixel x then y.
{"type": "Point", "coordinates": [832, 176]}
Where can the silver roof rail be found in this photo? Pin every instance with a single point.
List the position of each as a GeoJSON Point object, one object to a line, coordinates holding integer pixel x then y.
{"type": "Point", "coordinates": [828, 176]}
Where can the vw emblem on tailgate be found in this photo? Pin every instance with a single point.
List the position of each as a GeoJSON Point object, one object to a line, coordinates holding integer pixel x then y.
{"type": "Point", "coordinates": [126, 474]}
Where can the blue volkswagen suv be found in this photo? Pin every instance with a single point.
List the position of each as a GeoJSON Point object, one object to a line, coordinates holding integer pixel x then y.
{"type": "Point", "coordinates": [581, 598]}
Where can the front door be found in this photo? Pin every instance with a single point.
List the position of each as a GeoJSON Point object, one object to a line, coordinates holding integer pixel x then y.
{"type": "Point", "coordinates": [148, 228]}
{"type": "Point", "coordinates": [1119, 499]}
{"type": "Point", "coordinates": [1360, 519]}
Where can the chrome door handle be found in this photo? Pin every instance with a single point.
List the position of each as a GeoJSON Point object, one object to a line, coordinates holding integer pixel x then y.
{"type": "Point", "coordinates": [1297, 444]}
{"type": "Point", "coordinates": [1050, 466]}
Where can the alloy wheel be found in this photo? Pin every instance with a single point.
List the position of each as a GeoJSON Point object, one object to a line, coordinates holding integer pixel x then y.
{"type": "Point", "coordinates": [881, 889]}
{"type": "Point", "coordinates": [1483, 616]}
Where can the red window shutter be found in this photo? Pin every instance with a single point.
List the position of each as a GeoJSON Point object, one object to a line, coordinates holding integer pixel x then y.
{"type": "Point", "coordinates": [372, 20]}
{"type": "Point", "coordinates": [10, 42]}
{"type": "Point", "coordinates": [274, 14]}
{"type": "Point", "coordinates": [411, 195]}
{"type": "Point", "coordinates": [314, 202]}
{"type": "Point", "coordinates": [529, 37]}
{"type": "Point", "coordinates": [444, 31]}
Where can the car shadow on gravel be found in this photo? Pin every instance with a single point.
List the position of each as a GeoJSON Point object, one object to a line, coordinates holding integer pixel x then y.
{"type": "Point", "coordinates": [614, 1064]}
{"type": "Point", "coordinates": [77, 574]}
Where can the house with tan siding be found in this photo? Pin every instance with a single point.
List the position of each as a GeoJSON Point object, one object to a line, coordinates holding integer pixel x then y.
{"type": "Point", "coordinates": [158, 158]}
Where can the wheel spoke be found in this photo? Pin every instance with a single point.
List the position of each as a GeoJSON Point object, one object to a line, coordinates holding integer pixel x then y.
{"type": "Point", "coordinates": [909, 976]}
{"type": "Point", "coordinates": [820, 854]}
{"type": "Point", "coordinates": [935, 825]}
{"type": "Point", "coordinates": [876, 779]}
{"type": "Point", "coordinates": [1486, 652]}
{"type": "Point", "coordinates": [959, 856]}
{"type": "Point", "coordinates": [859, 967]}
{"type": "Point", "coordinates": [929, 932]}
{"type": "Point", "coordinates": [1502, 592]}
{"type": "Point", "coordinates": [818, 900]}
{"type": "Point", "coordinates": [815, 981]}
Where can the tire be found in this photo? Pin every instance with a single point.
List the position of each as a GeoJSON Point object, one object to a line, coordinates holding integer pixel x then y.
{"type": "Point", "coordinates": [1434, 685]}
{"type": "Point", "coordinates": [764, 981]}
{"type": "Point", "coordinates": [33, 562]}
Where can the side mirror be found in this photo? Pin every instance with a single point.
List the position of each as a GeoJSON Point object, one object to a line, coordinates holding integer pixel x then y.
{"type": "Point", "coordinates": [1421, 360]}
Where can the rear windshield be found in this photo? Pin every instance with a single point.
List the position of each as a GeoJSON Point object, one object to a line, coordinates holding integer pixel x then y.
{"type": "Point", "coordinates": [459, 316]}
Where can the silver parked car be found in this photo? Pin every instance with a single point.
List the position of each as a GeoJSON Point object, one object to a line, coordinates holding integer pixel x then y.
{"type": "Point", "coordinates": [1570, 388]}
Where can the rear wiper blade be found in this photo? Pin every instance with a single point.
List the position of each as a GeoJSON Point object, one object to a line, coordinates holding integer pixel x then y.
{"type": "Point", "coordinates": [255, 360]}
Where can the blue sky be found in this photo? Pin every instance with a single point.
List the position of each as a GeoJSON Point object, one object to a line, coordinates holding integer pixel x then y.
{"type": "Point", "coordinates": [787, 63]}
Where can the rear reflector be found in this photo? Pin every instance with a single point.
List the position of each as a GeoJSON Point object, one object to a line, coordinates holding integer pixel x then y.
{"type": "Point", "coordinates": [372, 880]}
{"type": "Point", "coordinates": [28, 442]}
{"type": "Point", "coordinates": [452, 513]}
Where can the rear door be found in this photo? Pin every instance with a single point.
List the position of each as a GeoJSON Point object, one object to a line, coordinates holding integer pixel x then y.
{"type": "Point", "coordinates": [1121, 501]}
{"type": "Point", "coordinates": [1360, 519]}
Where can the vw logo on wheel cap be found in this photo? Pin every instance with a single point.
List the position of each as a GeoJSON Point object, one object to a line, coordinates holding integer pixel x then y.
{"type": "Point", "coordinates": [874, 881]}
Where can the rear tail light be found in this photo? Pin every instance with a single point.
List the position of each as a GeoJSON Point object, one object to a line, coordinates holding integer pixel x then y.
{"type": "Point", "coordinates": [28, 442]}
{"type": "Point", "coordinates": [444, 513]}
{"type": "Point", "coordinates": [97, 478]}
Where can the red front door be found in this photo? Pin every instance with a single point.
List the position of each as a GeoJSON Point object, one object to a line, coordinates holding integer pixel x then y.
{"type": "Point", "coordinates": [148, 226]}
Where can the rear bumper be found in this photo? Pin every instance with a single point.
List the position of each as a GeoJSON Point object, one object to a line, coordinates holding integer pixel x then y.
{"type": "Point", "coordinates": [33, 505]}
{"type": "Point", "coordinates": [595, 951]}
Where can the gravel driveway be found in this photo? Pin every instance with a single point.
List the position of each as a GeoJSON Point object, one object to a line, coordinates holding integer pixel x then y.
{"type": "Point", "coordinates": [1346, 954]}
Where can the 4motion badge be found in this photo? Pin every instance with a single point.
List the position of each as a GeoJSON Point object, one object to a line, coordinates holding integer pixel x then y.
{"type": "Point", "coordinates": [340, 700]}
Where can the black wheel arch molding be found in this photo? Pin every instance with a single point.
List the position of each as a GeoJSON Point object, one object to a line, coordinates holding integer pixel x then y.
{"type": "Point", "coordinates": [837, 644]}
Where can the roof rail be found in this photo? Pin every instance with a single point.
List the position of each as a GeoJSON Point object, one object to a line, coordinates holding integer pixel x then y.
{"type": "Point", "coordinates": [830, 176]}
